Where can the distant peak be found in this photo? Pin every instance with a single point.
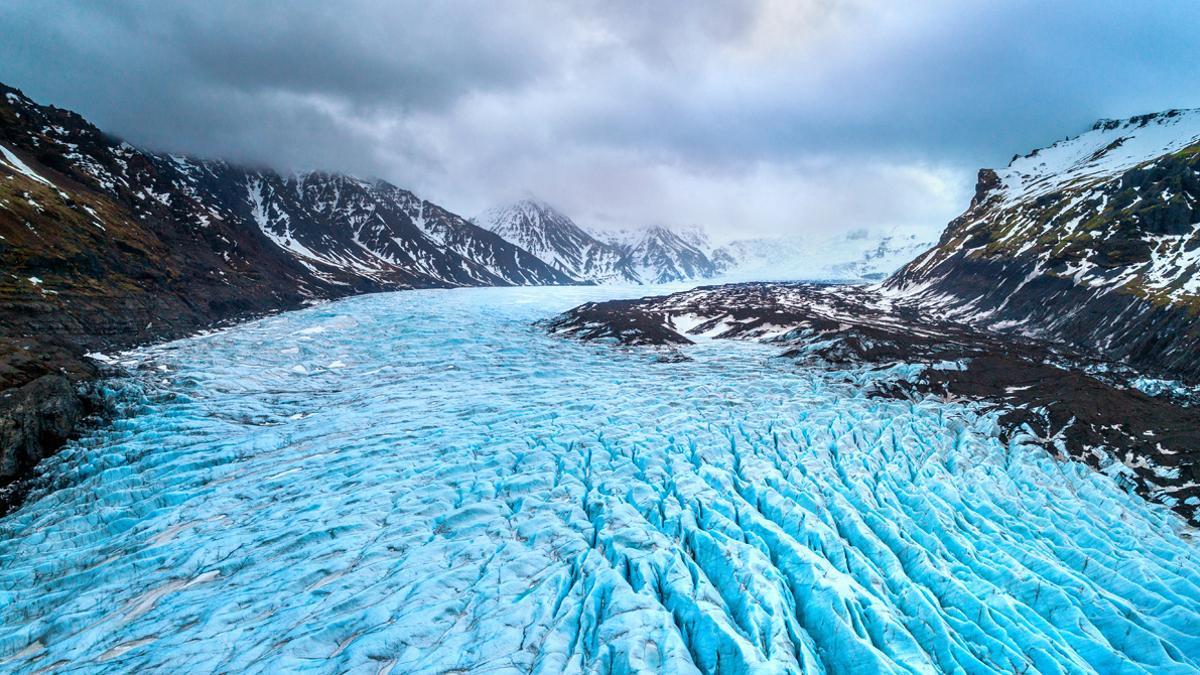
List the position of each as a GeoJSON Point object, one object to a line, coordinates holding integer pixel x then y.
{"type": "Point", "coordinates": [531, 202]}
{"type": "Point", "coordinates": [1107, 124]}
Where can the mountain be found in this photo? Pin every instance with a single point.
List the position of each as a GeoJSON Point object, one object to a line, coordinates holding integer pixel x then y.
{"type": "Point", "coordinates": [105, 245]}
{"type": "Point", "coordinates": [695, 236]}
{"type": "Point", "coordinates": [1093, 241]}
{"type": "Point", "coordinates": [856, 255]}
{"type": "Point", "coordinates": [680, 253]}
{"type": "Point", "coordinates": [653, 255]}
{"type": "Point", "coordinates": [554, 238]}
{"type": "Point", "coordinates": [661, 255]}
{"type": "Point", "coordinates": [101, 223]}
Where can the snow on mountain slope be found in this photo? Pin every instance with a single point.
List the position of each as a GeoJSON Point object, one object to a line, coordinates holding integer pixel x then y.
{"type": "Point", "coordinates": [679, 253]}
{"type": "Point", "coordinates": [343, 232]}
{"type": "Point", "coordinates": [129, 246]}
{"type": "Point", "coordinates": [695, 236]}
{"type": "Point", "coordinates": [487, 250]}
{"type": "Point", "coordinates": [1110, 148]}
{"type": "Point", "coordinates": [377, 230]}
{"type": "Point", "coordinates": [554, 238]}
{"type": "Point", "coordinates": [1094, 241]}
{"type": "Point", "coordinates": [662, 256]}
{"type": "Point", "coordinates": [652, 255]}
{"type": "Point", "coordinates": [623, 238]}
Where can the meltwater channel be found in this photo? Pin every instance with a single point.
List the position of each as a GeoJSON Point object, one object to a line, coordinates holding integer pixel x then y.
{"type": "Point", "coordinates": [427, 482]}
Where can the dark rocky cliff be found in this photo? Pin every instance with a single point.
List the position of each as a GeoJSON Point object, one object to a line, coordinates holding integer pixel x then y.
{"type": "Point", "coordinates": [1094, 242]}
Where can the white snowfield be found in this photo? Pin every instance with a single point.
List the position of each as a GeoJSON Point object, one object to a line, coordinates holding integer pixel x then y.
{"type": "Point", "coordinates": [425, 482]}
{"type": "Point", "coordinates": [1110, 148]}
{"type": "Point", "coordinates": [853, 255]}
{"type": "Point", "coordinates": [14, 163]}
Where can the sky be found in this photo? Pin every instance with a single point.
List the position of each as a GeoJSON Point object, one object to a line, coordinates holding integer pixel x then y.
{"type": "Point", "coordinates": [756, 118]}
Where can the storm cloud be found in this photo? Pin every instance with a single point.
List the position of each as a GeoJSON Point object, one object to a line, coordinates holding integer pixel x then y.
{"type": "Point", "coordinates": [749, 118]}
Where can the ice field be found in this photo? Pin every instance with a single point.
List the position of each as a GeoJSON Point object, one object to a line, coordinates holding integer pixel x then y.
{"type": "Point", "coordinates": [425, 482]}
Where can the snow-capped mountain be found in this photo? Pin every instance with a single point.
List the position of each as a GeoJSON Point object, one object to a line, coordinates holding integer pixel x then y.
{"type": "Point", "coordinates": [660, 255]}
{"type": "Point", "coordinates": [679, 253]}
{"type": "Point", "coordinates": [695, 236]}
{"type": "Point", "coordinates": [856, 255]}
{"type": "Point", "coordinates": [1094, 241]}
{"type": "Point", "coordinates": [367, 225]}
{"type": "Point", "coordinates": [554, 238]}
{"type": "Point", "coordinates": [248, 237]}
{"type": "Point", "coordinates": [650, 255]}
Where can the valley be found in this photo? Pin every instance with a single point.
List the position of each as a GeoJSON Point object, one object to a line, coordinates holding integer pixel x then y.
{"type": "Point", "coordinates": [257, 421]}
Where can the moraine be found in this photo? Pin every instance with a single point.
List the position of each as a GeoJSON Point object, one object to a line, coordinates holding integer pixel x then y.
{"type": "Point", "coordinates": [428, 482]}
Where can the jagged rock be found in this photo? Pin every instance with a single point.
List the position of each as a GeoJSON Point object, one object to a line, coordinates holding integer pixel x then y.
{"type": "Point", "coordinates": [34, 420]}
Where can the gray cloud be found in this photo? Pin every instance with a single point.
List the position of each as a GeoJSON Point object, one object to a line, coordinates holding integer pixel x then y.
{"type": "Point", "coordinates": [756, 117]}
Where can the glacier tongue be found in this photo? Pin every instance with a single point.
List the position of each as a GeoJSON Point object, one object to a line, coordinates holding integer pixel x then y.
{"type": "Point", "coordinates": [465, 494]}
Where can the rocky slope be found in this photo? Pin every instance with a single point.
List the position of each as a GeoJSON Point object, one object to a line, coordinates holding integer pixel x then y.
{"type": "Point", "coordinates": [662, 255]}
{"type": "Point", "coordinates": [554, 238]}
{"type": "Point", "coordinates": [1094, 241]}
{"type": "Point", "coordinates": [104, 246]}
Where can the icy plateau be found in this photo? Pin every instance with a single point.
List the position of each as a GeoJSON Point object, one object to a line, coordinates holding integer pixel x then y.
{"type": "Point", "coordinates": [427, 482]}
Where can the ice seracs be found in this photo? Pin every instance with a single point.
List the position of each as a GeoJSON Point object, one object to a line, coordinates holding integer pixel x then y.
{"type": "Point", "coordinates": [1075, 403]}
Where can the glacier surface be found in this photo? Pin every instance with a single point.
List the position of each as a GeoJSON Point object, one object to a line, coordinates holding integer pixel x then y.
{"type": "Point", "coordinates": [425, 482]}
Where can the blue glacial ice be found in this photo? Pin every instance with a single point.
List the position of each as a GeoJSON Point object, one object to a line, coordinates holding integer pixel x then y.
{"type": "Point", "coordinates": [424, 482]}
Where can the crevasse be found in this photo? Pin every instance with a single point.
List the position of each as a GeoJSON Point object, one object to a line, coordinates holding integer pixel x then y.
{"type": "Point", "coordinates": [425, 482]}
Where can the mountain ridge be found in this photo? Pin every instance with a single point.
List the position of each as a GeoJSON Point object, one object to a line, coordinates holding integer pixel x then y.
{"type": "Point", "coordinates": [1063, 239]}
{"type": "Point", "coordinates": [554, 238]}
{"type": "Point", "coordinates": [663, 256]}
{"type": "Point", "coordinates": [655, 254]}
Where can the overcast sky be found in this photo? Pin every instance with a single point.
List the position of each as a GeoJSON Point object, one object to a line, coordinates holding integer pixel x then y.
{"type": "Point", "coordinates": [751, 118]}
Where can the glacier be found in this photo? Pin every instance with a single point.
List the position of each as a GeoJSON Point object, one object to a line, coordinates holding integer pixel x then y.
{"type": "Point", "coordinates": [427, 482]}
